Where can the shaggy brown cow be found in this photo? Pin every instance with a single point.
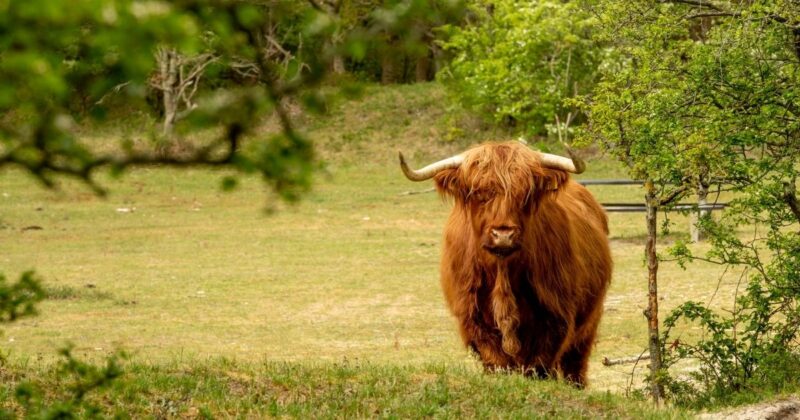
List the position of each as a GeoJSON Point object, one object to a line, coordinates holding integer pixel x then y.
{"type": "Point", "coordinates": [526, 262]}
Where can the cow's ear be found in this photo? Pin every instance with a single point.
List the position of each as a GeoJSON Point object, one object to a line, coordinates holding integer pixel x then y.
{"type": "Point", "coordinates": [448, 182]}
{"type": "Point", "coordinates": [550, 179]}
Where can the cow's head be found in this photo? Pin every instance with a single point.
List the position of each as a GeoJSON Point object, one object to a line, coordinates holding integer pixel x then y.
{"type": "Point", "coordinates": [496, 185]}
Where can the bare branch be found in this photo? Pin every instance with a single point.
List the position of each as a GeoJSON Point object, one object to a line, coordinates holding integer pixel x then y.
{"type": "Point", "coordinates": [699, 3]}
{"type": "Point", "coordinates": [276, 45]}
{"type": "Point", "coordinates": [714, 14]}
{"type": "Point", "coordinates": [245, 69]}
{"type": "Point", "coordinates": [114, 90]}
{"type": "Point", "coordinates": [193, 79]}
{"type": "Point", "coordinates": [427, 190]}
{"type": "Point", "coordinates": [625, 360]}
{"type": "Point", "coordinates": [672, 195]}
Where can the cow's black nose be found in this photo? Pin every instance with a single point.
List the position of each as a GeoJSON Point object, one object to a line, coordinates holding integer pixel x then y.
{"type": "Point", "coordinates": [502, 241]}
{"type": "Point", "coordinates": [503, 237]}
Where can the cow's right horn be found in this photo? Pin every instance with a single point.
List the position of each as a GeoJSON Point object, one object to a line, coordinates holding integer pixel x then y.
{"type": "Point", "coordinates": [430, 170]}
{"type": "Point", "coordinates": [571, 164]}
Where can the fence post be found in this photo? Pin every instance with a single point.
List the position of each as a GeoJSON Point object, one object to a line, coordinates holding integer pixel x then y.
{"type": "Point", "coordinates": [702, 194]}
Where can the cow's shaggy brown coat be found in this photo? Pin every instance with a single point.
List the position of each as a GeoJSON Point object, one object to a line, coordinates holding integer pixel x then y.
{"type": "Point", "coordinates": [538, 309]}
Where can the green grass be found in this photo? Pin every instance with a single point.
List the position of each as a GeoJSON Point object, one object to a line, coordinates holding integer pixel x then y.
{"type": "Point", "coordinates": [179, 273]}
{"type": "Point", "coordinates": [224, 388]}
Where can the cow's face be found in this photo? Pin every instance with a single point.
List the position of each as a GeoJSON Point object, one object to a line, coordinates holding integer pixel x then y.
{"type": "Point", "coordinates": [496, 220]}
{"type": "Point", "coordinates": [496, 188]}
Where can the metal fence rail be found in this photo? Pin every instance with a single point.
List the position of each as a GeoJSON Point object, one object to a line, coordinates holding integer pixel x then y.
{"type": "Point", "coordinates": [610, 182]}
{"type": "Point", "coordinates": [640, 207]}
{"type": "Point", "coordinates": [633, 208]}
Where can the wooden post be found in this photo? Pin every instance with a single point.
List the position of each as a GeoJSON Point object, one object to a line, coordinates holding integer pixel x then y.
{"type": "Point", "coordinates": [333, 46]}
{"type": "Point", "coordinates": [702, 194]}
{"type": "Point", "coordinates": [656, 388]}
{"type": "Point", "coordinates": [337, 65]}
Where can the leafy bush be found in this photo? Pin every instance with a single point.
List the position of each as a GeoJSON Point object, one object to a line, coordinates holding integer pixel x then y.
{"type": "Point", "coordinates": [690, 98]}
{"type": "Point", "coordinates": [754, 346]}
{"type": "Point", "coordinates": [519, 60]}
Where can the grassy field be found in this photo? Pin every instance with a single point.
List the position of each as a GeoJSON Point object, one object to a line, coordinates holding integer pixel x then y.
{"type": "Point", "coordinates": [226, 389]}
{"type": "Point", "coordinates": [342, 286]}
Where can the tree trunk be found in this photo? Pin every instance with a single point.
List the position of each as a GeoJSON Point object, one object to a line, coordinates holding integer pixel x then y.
{"type": "Point", "coordinates": [337, 65]}
{"type": "Point", "coordinates": [438, 59]}
{"type": "Point", "coordinates": [168, 67]}
{"type": "Point", "coordinates": [422, 69]}
{"type": "Point", "coordinates": [790, 198]}
{"type": "Point", "coordinates": [656, 388]}
{"type": "Point", "coordinates": [390, 64]}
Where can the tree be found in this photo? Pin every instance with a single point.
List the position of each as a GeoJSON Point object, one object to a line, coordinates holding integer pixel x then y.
{"type": "Point", "coordinates": [178, 78]}
{"type": "Point", "coordinates": [704, 90]}
{"type": "Point", "coordinates": [518, 61]}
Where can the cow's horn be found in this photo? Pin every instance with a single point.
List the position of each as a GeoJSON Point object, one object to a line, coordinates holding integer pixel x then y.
{"type": "Point", "coordinates": [430, 170]}
{"type": "Point", "coordinates": [572, 164]}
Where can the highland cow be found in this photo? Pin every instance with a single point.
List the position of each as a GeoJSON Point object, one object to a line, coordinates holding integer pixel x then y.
{"type": "Point", "coordinates": [526, 261]}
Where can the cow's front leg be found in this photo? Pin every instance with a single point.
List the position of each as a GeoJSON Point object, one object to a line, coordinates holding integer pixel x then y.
{"type": "Point", "coordinates": [487, 345]}
{"type": "Point", "coordinates": [492, 357]}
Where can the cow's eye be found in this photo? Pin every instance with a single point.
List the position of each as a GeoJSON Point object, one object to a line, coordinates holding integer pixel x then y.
{"type": "Point", "coordinates": [481, 197]}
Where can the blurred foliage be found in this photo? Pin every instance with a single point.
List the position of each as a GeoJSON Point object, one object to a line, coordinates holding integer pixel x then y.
{"type": "Point", "coordinates": [60, 59]}
{"type": "Point", "coordinates": [77, 380]}
{"type": "Point", "coordinates": [519, 61]}
{"type": "Point", "coordinates": [401, 37]}
{"type": "Point", "coordinates": [696, 92]}
{"type": "Point", "coordinates": [19, 299]}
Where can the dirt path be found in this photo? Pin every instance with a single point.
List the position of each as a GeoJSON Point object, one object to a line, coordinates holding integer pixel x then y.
{"type": "Point", "coordinates": [775, 410]}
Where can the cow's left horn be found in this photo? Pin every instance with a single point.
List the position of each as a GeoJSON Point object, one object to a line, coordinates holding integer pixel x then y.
{"type": "Point", "coordinates": [572, 164]}
{"type": "Point", "coordinates": [430, 170]}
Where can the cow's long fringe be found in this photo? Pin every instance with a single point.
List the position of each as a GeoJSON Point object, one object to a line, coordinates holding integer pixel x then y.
{"type": "Point", "coordinates": [506, 314]}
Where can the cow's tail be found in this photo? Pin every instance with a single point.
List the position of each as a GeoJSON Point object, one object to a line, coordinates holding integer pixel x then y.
{"type": "Point", "coordinates": [506, 314]}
